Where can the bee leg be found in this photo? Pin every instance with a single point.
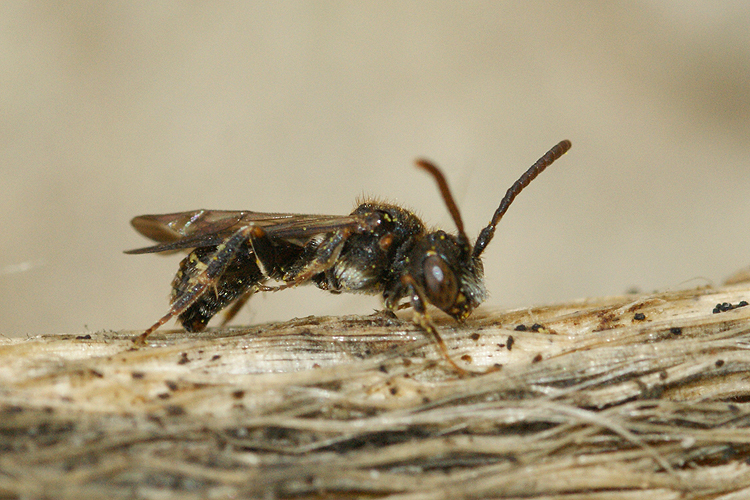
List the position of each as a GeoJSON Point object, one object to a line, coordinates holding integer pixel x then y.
{"type": "Point", "coordinates": [204, 281]}
{"type": "Point", "coordinates": [325, 257]}
{"type": "Point", "coordinates": [235, 308]}
{"type": "Point", "coordinates": [421, 319]}
{"type": "Point", "coordinates": [389, 311]}
{"type": "Point", "coordinates": [386, 313]}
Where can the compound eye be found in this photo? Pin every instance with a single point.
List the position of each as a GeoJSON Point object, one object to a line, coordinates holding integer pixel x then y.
{"type": "Point", "coordinates": [440, 283]}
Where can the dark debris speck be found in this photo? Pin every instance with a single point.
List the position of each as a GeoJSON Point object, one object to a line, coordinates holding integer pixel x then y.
{"type": "Point", "coordinates": [726, 306]}
{"type": "Point", "coordinates": [175, 410]}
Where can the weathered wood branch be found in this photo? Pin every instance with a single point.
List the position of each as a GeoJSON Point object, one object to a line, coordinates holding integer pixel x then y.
{"type": "Point", "coordinates": [604, 398]}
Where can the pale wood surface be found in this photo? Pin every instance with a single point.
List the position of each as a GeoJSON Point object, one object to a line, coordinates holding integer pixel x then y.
{"type": "Point", "coordinates": [596, 403]}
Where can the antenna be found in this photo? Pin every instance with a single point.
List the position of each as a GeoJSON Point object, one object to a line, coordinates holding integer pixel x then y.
{"type": "Point", "coordinates": [537, 168]}
{"type": "Point", "coordinates": [447, 197]}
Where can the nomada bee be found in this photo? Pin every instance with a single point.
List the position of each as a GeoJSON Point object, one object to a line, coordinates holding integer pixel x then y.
{"type": "Point", "coordinates": [379, 248]}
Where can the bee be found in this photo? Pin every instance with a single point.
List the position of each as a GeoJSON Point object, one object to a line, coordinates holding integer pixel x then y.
{"type": "Point", "coordinates": [379, 248]}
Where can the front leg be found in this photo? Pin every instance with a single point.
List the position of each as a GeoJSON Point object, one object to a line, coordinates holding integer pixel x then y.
{"type": "Point", "coordinates": [416, 298]}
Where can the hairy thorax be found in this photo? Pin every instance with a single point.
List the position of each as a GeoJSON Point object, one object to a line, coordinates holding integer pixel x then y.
{"type": "Point", "coordinates": [366, 262]}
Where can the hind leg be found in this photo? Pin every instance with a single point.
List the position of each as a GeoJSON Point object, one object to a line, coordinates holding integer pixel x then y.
{"type": "Point", "coordinates": [209, 279]}
{"type": "Point", "coordinates": [236, 285]}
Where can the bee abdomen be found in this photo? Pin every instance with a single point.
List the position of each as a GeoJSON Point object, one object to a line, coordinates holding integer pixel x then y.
{"type": "Point", "coordinates": [240, 276]}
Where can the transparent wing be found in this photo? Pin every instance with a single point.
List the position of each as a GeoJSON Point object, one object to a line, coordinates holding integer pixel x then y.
{"type": "Point", "coordinates": [202, 228]}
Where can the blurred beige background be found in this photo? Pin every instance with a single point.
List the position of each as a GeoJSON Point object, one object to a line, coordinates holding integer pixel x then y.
{"type": "Point", "coordinates": [114, 109]}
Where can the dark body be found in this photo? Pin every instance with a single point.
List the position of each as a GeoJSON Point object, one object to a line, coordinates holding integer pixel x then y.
{"type": "Point", "coordinates": [376, 243]}
{"type": "Point", "coordinates": [379, 248]}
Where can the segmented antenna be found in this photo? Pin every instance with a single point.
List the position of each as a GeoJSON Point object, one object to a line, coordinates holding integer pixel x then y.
{"type": "Point", "coordinates": [447, 197]}
{"type": "Point", "coordinates": [537, 168]}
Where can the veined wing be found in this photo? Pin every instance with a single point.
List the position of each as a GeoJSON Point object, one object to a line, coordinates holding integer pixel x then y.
{"type": "Point", "coordinates": [201, 228]}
